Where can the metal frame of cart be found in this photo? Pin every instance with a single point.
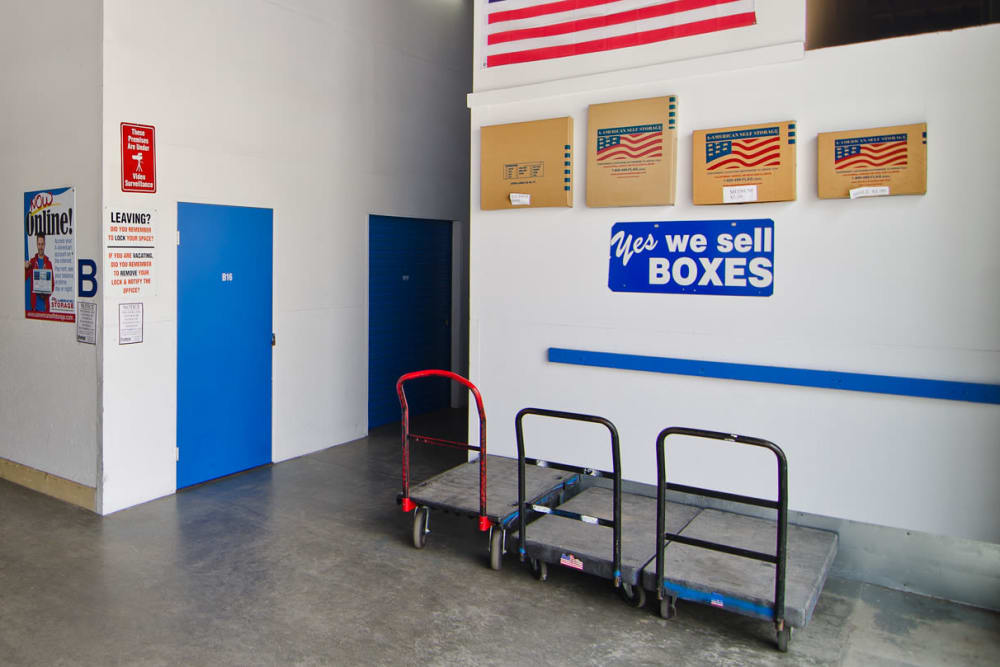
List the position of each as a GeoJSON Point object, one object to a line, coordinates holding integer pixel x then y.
{"type": "Point", "coordinates": [540, 552]}
{"type": "Point", "coordinates": [689, 562]}
{"type": "Point", "coordinates": [463, 489]}
{"type": "Point", "coordinates": [618, 548]}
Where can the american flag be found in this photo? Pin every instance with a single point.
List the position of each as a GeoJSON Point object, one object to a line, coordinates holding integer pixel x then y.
{"type": "Point", "coordinates": [733, 153]}
{"type": "Point", "coordinates": [630, 143]}
{"type": "Point", "coordinates": [521, 31]}
{"type": "Point", "coordinates": [887, 150]}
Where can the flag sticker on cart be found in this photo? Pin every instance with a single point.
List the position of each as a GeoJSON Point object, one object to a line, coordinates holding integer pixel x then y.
{"type": "Point", "coordinates": [569, 560]}
{"type": "Point", "coordinates": [717, 602]}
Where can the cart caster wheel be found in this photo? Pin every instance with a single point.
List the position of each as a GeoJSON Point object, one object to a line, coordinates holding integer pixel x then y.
{"type": "Point", "coordinates": [496, 548]}
{"type": "Point", "coordinates": [668, 608]}
{"type": "Point", "coordinates": [420, 527]}
{"type": "Point", "coordinates": [634, 596]}
{"type": "Point", "coordinates": [540, 569]}
{"type": "Point", "coordinates": [784, 637]}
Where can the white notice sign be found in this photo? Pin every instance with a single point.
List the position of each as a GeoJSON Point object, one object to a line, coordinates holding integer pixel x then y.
{"type": "Point", "coordinates": [129, 323]}
{"type": "Point", "coordinates": [86, 322]}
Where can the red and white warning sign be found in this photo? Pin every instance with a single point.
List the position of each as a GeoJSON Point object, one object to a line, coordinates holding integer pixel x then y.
{"type": "Point", "coordinates": [138, 158]}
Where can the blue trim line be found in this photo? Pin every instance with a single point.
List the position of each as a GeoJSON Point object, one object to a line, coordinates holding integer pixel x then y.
{"type": "Point", "coordinates": [727, 602]}
{"type": "Point", "coordinates": [879, 384]}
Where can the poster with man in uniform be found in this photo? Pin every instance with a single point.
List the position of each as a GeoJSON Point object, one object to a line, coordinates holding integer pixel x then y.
{"type": "Point", "coordinates": [49, 255]}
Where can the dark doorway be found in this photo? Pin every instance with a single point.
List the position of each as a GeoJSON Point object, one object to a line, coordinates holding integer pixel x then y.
{"type": "Point", "coordinates": [409, 313]}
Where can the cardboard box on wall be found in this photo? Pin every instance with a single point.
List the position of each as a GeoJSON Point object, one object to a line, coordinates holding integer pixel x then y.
{"type": "Point", "coordinates": [527, 165]}
{"type": "Point", "coordinates": [878, 161]}
{"type": "Point", "coordinates": [743, 164]}
{"type": "Point", "coordinates": [632, 152]}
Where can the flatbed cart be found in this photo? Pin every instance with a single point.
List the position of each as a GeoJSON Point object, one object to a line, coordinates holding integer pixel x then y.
{"type": "Point", "coordinates": [485, 489]}
{"type": "Point", "coordinates": [616, 548]}
{"type": "Point", "coordinates": [756, 567]}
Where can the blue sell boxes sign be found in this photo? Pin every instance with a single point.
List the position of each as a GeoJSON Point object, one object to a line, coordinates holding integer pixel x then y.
{"type": "Point", "coordinates": [723, 257]}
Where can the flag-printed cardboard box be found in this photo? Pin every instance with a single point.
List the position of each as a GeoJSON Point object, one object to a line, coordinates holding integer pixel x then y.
{"type": "Point", "coordinates": [743, 164]}
{"type": "Point", "coordinates": [878, 161]}
{"type": "Point", "coordinates": [527, 165]}
{"type": "Point", "coordinates": [632, 152]}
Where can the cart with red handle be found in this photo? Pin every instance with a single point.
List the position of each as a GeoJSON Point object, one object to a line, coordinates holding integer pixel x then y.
{"type": "Point", "coordinates": [485, 488]}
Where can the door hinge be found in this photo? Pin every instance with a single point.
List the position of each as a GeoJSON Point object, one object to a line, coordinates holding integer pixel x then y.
{"type": "Point", "coordinates": [178, 237]}
{"type": "Point", "coordinates": [274, 340]}
{"type": "Point", "coordinates": [177, 453]}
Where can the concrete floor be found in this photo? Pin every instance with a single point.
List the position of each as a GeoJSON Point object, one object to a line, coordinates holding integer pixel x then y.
{"type": "Point", "coordinates": [310, 562]}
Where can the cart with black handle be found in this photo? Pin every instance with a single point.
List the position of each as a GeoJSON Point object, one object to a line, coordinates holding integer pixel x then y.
{"type": "Point", "coordinates": [578, 533]}
{"type": "Point", "coordinates": [759, 567]}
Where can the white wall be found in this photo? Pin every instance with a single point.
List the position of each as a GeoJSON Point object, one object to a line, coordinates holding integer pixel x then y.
{"type": "Point", "coordinates": [324, 111]}
{"type": "Point", "coordinates": [49, 138]}
{"type": "Point", "coordinates": [897, 286]}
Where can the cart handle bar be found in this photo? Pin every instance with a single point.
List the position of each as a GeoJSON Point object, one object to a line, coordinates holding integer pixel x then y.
{"type": "Point", "coordinates": [781, 505]}
{"type": "Point", "coordinates": [616, 476]}
{"type": "Point", "coordinates": [408, 505]}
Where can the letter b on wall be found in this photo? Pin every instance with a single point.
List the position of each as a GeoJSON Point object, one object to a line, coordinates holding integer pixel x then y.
{"type": "Point", "coordinates": [86, 278]}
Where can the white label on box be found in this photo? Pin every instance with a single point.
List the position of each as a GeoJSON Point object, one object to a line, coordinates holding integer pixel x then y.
{"type": "Point", "coordinates": [876, 191]}
{"type": "Point", "coordinates": [519, 199]}
{"type": "Point", "coordinates": [738, 194]}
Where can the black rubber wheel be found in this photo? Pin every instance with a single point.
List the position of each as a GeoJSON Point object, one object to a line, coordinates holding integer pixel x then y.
{"type": "Point", "coordinates": [784, 637]}
{"type": "Point", "coordinates": [420, 527]}
{"type": "Point", "coordinates": [540, 569]}
{"type": "Point", "coordinates": [634, 596]}
{"type": "Point", "coordinates": [668, 608]}
{"type": "Point", "coordinates": [496, 548]}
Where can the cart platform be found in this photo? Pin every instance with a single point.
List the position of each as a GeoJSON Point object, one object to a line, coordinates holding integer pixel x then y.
{"type": "Point", "coordinates": [742, 586]}
{"type": "Point", "coordinates": [588, 548]}
{"type": "Point", "coordinates": [457, 489]}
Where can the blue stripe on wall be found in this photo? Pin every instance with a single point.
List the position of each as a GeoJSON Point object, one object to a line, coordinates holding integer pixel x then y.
{"type": "Point", "coordinates": [802, 377]}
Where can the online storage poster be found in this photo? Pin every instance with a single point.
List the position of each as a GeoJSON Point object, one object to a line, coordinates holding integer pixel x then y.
{"type": "Point", "coordinates": [50, 254]}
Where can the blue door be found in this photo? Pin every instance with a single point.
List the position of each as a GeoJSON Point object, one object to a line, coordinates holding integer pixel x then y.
{"type": "Point", "coordinates": [409, 313]}
{"type": "Point", "coordinates": [223, 340]}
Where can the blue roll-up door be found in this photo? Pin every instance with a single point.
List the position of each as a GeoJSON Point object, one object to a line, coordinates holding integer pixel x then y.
{"type": "Point", "coordinates": [409, 314]}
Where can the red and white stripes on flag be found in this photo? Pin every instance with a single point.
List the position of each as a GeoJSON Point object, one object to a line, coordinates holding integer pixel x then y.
{"type": "Point", "coordinates": [522, 31]}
